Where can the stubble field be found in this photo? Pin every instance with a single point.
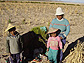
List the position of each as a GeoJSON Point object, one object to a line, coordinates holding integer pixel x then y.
{"type": "Point", "coordinates": [28, 15]}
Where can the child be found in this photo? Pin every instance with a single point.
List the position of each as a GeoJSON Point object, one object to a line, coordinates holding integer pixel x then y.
{"type": "Point", "coordinates": [13, 44]}
{"type": "Point", "coordinates": [52, 46]}
{"type": "Point", "coordinates": [37, 53]}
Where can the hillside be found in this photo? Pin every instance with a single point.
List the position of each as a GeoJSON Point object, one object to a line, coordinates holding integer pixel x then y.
{"type": "Point", "coordinates": [28, 15]}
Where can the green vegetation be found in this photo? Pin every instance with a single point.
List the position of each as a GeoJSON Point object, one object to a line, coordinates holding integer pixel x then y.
{"type": "Point", "coordinates": [41, 2]}
{"type": "Point", "coordinates": [2, 1]}
{"type": "Point", "coordinates": [60, 3]}
{"type": "Point", "coordinates": [40, 32]}
{"type": "Point", "coordinates": [64, 4]}
{"type": "Point", "coordinates": [10, 1]}
{"type": "Point", "coordinates": [44, 2]}
{"type": "Point", "coordinates": [70, 4]}
{"type": "Point", "coordinates": [34, 2]}
{"type": "Point", "coordinates": [9, 21]}
{"type": "Point", "coordinates": [15, 1]}
{"type": "Point", "coordinates": [77, 5]}
{"type": "Point", "coordinates": [48, 23]}
{"type": "Point", "coordinates": [23, 22]}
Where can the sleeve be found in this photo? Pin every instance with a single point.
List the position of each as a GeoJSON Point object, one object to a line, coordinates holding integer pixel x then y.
{"type": "Point", "coordinates": [51, 24]}
{"type": "Point", "coordinates": [48, 43]}
{"type": "Point", "coordinates": [62, 35]}
{"type": "Point", "coordinates": [60, 43]}
{"type": "Point", "coordinates": [21, 42]}
{"type": "Point", "coordinates": [67, 29]}
{"type": "Point", "coordinates": [7, 46]}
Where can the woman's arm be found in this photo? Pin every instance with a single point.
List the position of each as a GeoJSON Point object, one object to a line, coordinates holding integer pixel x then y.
{"type": "Point", "coordinates": [67, 28]}
{"type": "Point", "coordinates": [63, 35]}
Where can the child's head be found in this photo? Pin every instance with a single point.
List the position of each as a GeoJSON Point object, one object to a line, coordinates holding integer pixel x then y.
{"type": "Point", "coordinates": [53, 32]}
{"type": "Point", "coordinates": [36, 52]}
{"type": "Point", "coordinates": [11, 29]}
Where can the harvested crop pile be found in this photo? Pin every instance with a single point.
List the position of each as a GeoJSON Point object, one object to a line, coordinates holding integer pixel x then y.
{"type": "Point", "coordinates": [76, 56]}
{"type": "Point", "coordinates": [32, 40]}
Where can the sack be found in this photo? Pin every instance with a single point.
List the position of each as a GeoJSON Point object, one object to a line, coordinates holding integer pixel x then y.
{"type": "Point", "coordinates": [43, 28]}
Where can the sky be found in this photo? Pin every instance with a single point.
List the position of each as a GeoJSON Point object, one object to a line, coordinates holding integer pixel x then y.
{"type": "Point", "coordinates": [77, 1]}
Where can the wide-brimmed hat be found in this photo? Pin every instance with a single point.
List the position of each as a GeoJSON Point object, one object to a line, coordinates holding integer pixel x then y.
{"type": "Point", "coordinates": [59, 11]}
{"type": "Point", "coordinates": [9, 27]}
{"type": "Point", "coordinates": [52, 30]}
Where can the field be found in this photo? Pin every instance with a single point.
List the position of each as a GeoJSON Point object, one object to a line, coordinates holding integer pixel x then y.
{"type": "Point", "coordinates": [28, 15]}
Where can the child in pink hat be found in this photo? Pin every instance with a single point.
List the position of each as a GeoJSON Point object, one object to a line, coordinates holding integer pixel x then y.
{"type": "Point", "coordinates": [52, 45]}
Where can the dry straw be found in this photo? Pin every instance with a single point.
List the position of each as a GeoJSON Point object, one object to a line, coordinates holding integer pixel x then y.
{"type": "Point", "coordinates": [76, 56]}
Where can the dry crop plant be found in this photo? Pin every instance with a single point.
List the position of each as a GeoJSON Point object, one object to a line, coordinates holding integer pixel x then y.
{"type": "Point", "coordinates": [76, 56]}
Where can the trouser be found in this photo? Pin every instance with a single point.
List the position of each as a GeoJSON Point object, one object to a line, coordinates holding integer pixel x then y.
{"type": "Point", "coordinates": [15, 58]}
{"type": "Point", "coordinates": [61, 53]}
{"type": "Point", "coordinates": [52, 55]}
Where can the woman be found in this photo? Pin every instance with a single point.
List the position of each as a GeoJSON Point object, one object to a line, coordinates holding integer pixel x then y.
{"type": "Point", "coordinates": [61, 23]}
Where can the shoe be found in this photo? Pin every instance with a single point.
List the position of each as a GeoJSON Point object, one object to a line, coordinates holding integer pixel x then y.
{"type": "Point", "coordinates": [35, 60]}
{"type": "Point", "coordinates": [60, 62]}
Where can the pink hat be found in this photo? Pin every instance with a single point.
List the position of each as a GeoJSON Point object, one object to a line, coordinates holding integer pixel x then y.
{"type": "Point", "coordinates": [52, 30]}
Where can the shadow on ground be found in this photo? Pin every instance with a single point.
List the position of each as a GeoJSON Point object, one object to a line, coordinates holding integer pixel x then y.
{"type": "Point", "coordinates": [31, 42]}
{"type": "Point", "coordinates": [72, 45]}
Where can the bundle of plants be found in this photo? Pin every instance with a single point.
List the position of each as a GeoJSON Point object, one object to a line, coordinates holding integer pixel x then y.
{"type": "Point", "coordinates": [41, 33]}
{"type": "Point", "coordinates": [76, 56]}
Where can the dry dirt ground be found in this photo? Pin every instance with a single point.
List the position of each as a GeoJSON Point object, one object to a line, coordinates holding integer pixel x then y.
{"type": "Point", "coordinates": [28, 15]}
